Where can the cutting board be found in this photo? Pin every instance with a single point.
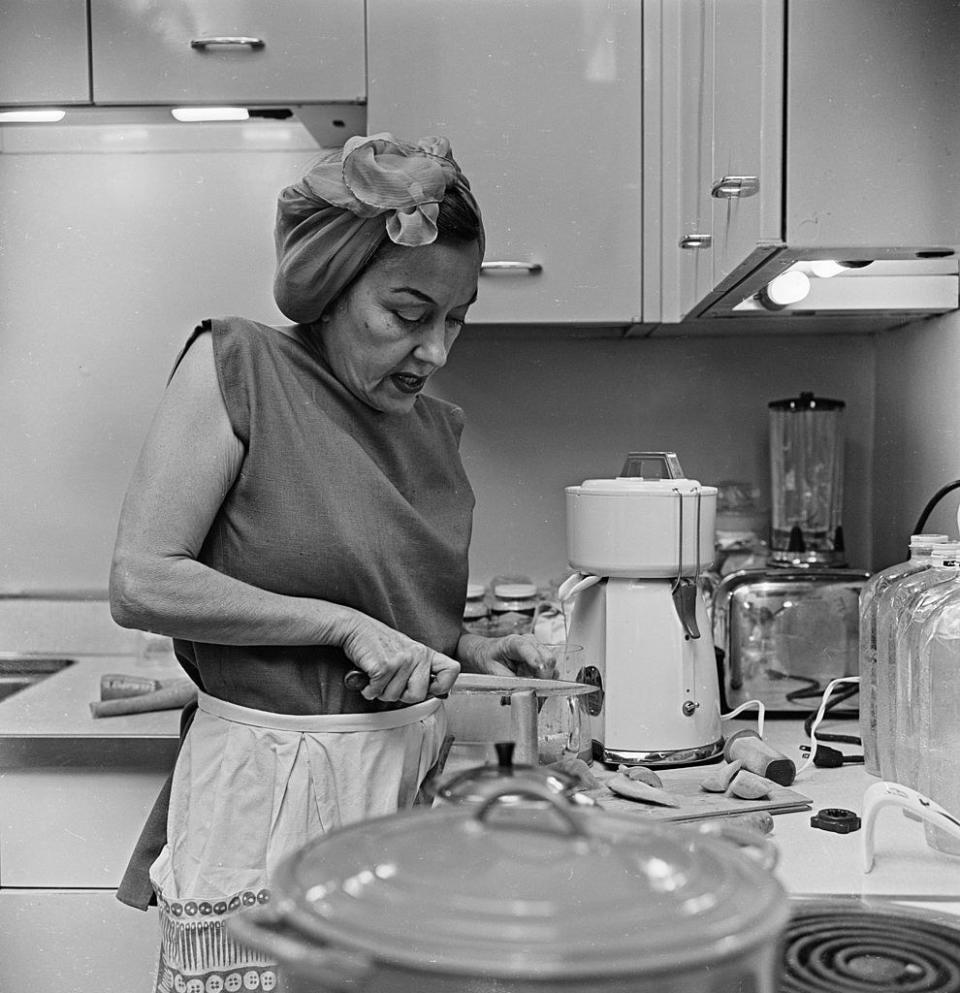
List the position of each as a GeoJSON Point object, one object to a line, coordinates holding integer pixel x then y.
{"type": "Point", "coordinates": [696, 803]}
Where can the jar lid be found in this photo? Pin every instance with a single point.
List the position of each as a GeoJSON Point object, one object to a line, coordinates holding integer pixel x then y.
{"type": "Point", "coordinates": [475, 590]}
{"type": "Point", "coordinates": [515, 891]}
{"type": "Point", "coordinates": [515, 591]}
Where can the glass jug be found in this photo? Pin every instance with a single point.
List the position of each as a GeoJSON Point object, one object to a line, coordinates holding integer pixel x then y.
{"type": "Point", "coordinates": [921, 547]}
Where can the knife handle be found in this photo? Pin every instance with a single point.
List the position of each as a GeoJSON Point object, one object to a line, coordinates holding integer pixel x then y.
{"type": "Point", "coordinates": [357, 679]}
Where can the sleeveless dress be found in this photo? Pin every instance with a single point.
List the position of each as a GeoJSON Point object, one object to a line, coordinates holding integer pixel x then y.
{"type": "Point", "coordinates": [335, 501]}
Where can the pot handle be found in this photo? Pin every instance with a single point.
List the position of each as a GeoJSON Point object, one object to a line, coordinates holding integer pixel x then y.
{"type": "Point", "coordinates": [755, 846]}
{"type": "Point", "coordinates": [528, 788]}
{"type": "Point", "coordinates": [266, 930]}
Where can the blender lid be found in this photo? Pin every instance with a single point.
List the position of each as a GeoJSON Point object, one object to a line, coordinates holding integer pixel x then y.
{"type": "Point", "coordinates": [807, 401]}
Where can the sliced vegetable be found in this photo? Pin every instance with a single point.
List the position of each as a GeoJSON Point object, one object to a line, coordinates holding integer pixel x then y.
{"type": "Point", "coordinates": [720, 778]}
{"type": "Point", "coordinates": [634, 789]}
{"type": "Point", "coordinates": [640, 774]}
{"type": "Point", "coordinates": [749, 786]}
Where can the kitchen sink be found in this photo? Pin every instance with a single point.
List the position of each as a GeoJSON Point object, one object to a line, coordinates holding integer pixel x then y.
{"type": "Point", "coordinates": [17, 672]}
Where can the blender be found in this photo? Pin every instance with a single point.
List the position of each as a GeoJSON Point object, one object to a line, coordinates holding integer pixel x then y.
{"type": "Point", "coordinates": [806, 481]}
{"type": "Point", "coordinates": [639, 543]}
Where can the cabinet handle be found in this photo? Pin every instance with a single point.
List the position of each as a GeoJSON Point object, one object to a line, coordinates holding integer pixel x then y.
{"type": "Point", "coordinates": [511, 268]}
{"type": "Point", "coordinates": [240, 41]}
{"type": "Point", "coordinates": [696, 241]}
{"type": "Point", "coordinates": [734, 187]}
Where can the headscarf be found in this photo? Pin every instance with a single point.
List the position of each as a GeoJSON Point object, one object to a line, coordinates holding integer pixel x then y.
{"type": "Point", "coordinates": [330, 223]}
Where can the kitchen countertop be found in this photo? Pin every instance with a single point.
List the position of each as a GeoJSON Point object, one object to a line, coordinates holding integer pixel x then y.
{"type": "Point", "coordinates": [811, 861]}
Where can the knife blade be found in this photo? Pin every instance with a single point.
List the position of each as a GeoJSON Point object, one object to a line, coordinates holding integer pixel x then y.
{"type": "Point", "coordinates": [476, 682]}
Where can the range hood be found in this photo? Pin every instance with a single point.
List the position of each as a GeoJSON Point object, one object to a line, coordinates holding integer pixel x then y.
{"type": "Point", "coordinates": [871, 167]}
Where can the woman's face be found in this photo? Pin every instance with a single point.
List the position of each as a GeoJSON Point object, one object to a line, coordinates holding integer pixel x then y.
{"type": "Point", "coordinates": [395, 325]}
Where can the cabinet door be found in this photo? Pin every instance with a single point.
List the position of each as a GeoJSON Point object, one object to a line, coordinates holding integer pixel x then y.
{"type": "Point", "coordinates": [44, 52]}
{"type": "Point", "coordinates": [748, 68]}
{"type": "Point", "coordinates": [678, 134]}
{"type": "Point", "coordinates": [541, 101]}
{"type": "Point", "coordinates": [227, 51]}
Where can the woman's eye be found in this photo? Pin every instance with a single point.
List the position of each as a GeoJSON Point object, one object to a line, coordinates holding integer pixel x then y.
{"type": "Point", "coordinates": [410, 317]}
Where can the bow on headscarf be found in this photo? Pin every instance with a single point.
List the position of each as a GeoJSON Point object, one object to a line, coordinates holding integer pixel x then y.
{"type": "Point", "coordinates": [330, 223]}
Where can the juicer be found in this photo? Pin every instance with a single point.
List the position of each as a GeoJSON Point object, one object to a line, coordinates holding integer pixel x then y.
{"type": "Point", "coordinates": [638, 544]}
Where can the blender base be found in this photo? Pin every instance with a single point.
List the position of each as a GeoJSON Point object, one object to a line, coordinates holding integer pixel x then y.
{"type": "Point", "coordinates": [676, 757]}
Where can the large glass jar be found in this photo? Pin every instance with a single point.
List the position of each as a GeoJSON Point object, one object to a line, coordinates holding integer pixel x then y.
{"type": "Point", "coordinates": [897, 711]}
{"type": "Point", "coordinates": [938, 713]}
{"type": "Point", "coordinates": [919, 557]}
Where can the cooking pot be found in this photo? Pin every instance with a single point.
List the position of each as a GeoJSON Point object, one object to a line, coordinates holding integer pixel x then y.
{"type": "Point", "coordinates": [508, 898]}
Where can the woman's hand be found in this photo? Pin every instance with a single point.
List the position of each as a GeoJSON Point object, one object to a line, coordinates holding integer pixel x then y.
{"type": "Point", "coordinates": [399, 668]}
{"type": "Point", "coordinates": [513, 655]}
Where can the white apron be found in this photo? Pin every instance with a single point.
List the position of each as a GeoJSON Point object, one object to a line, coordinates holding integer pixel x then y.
{"type": "Point", "coordinates": [251, 787]}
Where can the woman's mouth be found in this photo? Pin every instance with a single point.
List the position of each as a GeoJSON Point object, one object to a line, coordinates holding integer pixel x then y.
{"type": "Point", "coordinates": [407, 383]}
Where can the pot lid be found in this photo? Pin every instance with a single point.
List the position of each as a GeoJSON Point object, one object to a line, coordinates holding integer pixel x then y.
{"type": "Point", "coordinates": [473, 785]}
{"type": "Point", "coordinates": [524, 891]}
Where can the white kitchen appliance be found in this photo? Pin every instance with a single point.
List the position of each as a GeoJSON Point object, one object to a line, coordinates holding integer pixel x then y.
{"type": "Point", "coordinates": [639, 544]}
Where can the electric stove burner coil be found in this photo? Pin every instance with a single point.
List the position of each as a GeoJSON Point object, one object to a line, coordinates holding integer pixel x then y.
{"type": "Point", "coordinates": [851, 950]}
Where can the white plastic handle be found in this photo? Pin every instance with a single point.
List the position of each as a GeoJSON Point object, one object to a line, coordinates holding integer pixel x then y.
{"type": "Point", "coordinates": [885, 794]}
{"type": "Point", "coordinates": [572, 585]}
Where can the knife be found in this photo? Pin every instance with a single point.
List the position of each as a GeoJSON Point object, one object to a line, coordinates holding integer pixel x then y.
{"type": "Point", "coordinates": [476, 682]}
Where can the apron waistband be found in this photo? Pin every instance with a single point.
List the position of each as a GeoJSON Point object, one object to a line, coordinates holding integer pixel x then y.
{"type": "Point", "coordinates": [376, 721]}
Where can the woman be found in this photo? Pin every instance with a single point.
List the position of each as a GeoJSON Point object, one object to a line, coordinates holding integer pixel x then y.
{"type": "Point", "coordinates": [300, 510]}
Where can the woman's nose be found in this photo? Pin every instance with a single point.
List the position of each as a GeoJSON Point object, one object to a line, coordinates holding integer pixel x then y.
{"type": "Point", "coordinates": [433, 345]}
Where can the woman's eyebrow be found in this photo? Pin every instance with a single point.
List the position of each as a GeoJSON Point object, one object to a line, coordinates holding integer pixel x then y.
{"type": "Point", "coordinates": [426, 298]}
{"type": "Point", "coordinates": [413, 292]}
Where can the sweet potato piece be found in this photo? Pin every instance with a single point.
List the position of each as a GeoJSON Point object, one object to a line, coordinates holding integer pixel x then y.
{"type": "Point", "coordinates": [720, 778]}
{"type": "Point", "coordinates": [634, 789]}
{"type": "Point", "coordinates": [641, 774]}
{"type": "Point", "coordinates": [749, 786]}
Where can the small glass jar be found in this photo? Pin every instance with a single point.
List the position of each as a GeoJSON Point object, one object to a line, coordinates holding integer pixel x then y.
{"type": "Point", "coordinates": [513, 605]}
{"type": "Point", "coordinates": [476, 610]}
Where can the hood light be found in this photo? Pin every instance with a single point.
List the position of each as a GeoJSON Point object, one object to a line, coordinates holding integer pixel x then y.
{"type": "Point", "coordinates": [38, 116]}
{"type": "Point", "coordinates": [194, 114]}
{"type": "Point", "coordinates": [787, 288]}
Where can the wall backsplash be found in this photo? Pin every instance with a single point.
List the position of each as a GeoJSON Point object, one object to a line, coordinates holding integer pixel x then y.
{"type": "Point", "coordinates": [110, 259]}
{"type": "Point", "coordinates": [546, 412]}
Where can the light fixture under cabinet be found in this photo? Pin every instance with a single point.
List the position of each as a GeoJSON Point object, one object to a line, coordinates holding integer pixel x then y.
{"type": "Point", "coordinates": [825, 286]}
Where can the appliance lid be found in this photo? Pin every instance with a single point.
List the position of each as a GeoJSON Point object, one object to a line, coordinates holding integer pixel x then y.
{"type": "Point", "coordinates": [631, 486]}
{"type": "Point", "coordinates": [530, 892]}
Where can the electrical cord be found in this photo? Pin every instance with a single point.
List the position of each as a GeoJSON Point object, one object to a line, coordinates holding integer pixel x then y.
{"type": "Point", "coordinates": [931, 503]}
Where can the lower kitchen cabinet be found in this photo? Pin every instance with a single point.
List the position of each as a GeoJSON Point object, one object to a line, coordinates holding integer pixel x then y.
{"type": "Point", "coordinates": [75, 941]}
{"type": "Point", "coordinates": [71, 810]}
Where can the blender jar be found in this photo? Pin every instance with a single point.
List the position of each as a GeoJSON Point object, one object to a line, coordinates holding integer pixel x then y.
{"type": "Point", "coordinates": [806, 470]}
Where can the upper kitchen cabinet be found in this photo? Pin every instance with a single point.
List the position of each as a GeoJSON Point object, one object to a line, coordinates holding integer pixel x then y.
{"type": "Point", "coordinates": [44, 53]}
{"type": "Point", "coordinates": [712, 128]}
{"type": "Point", "coordinates": [541, 101]}
{"type": "Point", "coordinates": [782, 135]}
{"type": "Point", "coordinates": [227, 51]}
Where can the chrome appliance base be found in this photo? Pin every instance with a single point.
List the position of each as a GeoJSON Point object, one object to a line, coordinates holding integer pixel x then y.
{"type": "Point", "coordinates": [680, 756]}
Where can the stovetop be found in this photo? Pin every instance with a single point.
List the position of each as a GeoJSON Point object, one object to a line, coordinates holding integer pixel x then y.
{"type": "Point", "coordinates": [846, 946]}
